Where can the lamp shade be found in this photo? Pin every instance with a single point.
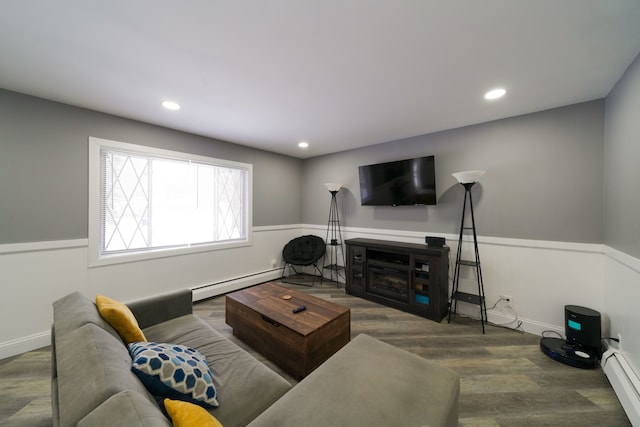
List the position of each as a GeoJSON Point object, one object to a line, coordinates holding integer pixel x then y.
{"type": "Point", "coordinates": [332, 186]}
{"type": "Point", "coordinates": [467, 177]}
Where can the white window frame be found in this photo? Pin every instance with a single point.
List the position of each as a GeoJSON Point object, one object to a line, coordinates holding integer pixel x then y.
{"type": "Point", "coordinates": [94, 221]}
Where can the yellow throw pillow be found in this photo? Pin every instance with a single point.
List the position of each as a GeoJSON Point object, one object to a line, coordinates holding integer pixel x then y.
{"type": "Point", "coordinates": [120, 318]}
{"type": "Point", "coordinates": [185, 414]}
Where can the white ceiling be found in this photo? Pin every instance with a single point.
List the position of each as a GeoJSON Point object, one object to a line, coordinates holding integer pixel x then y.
{"type": "Point", "coordinates": [338, 74]}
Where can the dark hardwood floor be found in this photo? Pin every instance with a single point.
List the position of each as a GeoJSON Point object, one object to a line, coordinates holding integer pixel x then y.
{"type": "Point", "coordinates": [505, 380]}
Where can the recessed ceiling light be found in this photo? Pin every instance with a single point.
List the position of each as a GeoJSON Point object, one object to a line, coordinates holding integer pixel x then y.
{"type": "Point", "coordinates": [495, 93]}
{"type": "Point", "coordinates": [303, 144]}
{"type": "Point", "coordinates": [170, 105]}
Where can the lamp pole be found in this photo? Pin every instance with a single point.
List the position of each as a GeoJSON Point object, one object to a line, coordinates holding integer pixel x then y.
{"type": "Point", "coordinates": [334, 237]}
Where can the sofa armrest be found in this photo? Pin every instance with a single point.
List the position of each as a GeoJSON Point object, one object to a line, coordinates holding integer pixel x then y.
{"type": "Point", "coordinates": [154, 310]}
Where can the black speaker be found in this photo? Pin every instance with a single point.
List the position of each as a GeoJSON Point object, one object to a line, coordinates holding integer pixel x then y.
{"type": "Point", "coordinates": [582, 327]}
{"type": "Point", "coordinates": [437, 242]}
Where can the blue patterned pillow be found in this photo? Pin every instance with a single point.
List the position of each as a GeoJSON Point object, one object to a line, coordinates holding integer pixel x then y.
{"type": "Point", "coordinates": [174, 371]}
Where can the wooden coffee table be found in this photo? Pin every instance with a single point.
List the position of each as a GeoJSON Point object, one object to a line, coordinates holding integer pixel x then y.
{"type": "Point", "coordinates": [297, 342]}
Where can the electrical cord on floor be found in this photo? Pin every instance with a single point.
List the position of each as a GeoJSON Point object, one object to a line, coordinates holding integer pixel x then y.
{"type": "Point", "coordinates": [517, 327]}
{"type": "Point", "coordinates": [496, 303]}
{"type": "Point", "coordinates": [553, 332]}
{"type": "Point", "coordinates": [515, 320]}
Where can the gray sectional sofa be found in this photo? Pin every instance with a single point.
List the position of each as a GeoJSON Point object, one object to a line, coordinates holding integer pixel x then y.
{"type": "Point", "coordinates": [366, 383]}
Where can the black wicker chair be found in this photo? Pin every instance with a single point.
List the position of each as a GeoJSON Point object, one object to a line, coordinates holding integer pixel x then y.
{"type": "Point", "coordinates": [303, 251]}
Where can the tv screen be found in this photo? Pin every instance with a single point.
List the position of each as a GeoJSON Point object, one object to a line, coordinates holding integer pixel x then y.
{"type": "Point", "coordinates": [403, 182]}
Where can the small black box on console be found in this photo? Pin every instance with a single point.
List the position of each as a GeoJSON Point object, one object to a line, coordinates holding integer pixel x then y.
{"type": "Point", "coordinates": [437, 242]}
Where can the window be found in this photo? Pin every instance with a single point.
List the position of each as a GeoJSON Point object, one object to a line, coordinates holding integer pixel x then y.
{"type": "Point", "coordinates": [149, 202]}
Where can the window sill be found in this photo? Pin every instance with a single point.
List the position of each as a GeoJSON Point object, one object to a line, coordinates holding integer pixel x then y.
{"type": "Point", "coordinates": [96, 260]}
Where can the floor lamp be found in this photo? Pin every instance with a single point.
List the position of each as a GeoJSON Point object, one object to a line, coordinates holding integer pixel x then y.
{"type": "Point", "coordinates": [468, 179]}
{"type": "Point", "coordinates": [334, 238]}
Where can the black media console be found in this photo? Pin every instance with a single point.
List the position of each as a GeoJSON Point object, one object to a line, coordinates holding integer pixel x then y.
{"type": "Point", "coordinates": [407, 276]}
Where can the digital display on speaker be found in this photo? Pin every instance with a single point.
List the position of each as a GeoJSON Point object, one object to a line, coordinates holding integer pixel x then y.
{"type": "Point", "coordinates": [574, 325]}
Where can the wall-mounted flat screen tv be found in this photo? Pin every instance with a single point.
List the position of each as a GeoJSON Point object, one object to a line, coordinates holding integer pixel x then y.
{"type": "Point", "coordinates": [403, 182]}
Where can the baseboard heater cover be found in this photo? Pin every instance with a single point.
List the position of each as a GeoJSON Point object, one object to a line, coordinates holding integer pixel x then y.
{"type": "Point", "coordinates": [624, 381]}
{"type": "Point", "coordinates": [234, 284]}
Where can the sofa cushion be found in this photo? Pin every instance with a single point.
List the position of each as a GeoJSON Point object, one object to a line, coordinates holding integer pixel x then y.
{"type": "Point", "coordinates": [126, 409]}
{"type": "Point", "coordinates": [174, 371]}
{"type": "Point", "coordinates": [370, 383]}
{"type": "Point", "coordinates": [185, 414]}
{"type": "Point", "coordinates": [93, 365]}
{"type": "Point", "coordinates": [121, 318]}
{"type": "Point", "coordinates": [245, 386]}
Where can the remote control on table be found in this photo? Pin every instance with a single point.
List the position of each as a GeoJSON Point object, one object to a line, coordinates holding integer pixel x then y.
{"type": "Point", "coordinates": [299, 309]}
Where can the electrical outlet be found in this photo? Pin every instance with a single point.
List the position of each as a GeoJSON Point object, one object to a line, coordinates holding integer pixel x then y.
{"type": "Point", "coordinates": [273, 263]}
{"type": "Point", "coordinates": [507, 301]}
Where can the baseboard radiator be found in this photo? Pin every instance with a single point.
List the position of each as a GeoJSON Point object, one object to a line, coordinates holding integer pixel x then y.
{"type": "Point", "coordinates": [624, 381]}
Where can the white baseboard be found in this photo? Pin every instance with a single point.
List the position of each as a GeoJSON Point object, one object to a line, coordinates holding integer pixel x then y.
{"type": "Point", "coordinates": [507, 320]}
{"type": "Point", "coordinates": [223, 287]}
{"type": "Point", "coordinates": [24, 344]}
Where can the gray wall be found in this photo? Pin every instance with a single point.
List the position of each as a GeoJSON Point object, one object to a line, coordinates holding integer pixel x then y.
{"type": "Point", "coordinates": [544, 175]}
{"type": "Point", "coordinates": [622, 164]}
{"type": "Point", "coordinates": [43, 167]}
{"type": "Point", "coordinates": [543, 181]}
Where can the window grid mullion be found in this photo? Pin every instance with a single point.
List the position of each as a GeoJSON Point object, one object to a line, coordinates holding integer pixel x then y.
{"type": "Point", "coordinates": [150, 203]}
{"type": "Point", "coordinates": [126, 203]}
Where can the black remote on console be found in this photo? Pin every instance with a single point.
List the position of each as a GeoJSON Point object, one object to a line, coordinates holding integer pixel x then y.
{"type": "Point", "coordinates": [299, 309]}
